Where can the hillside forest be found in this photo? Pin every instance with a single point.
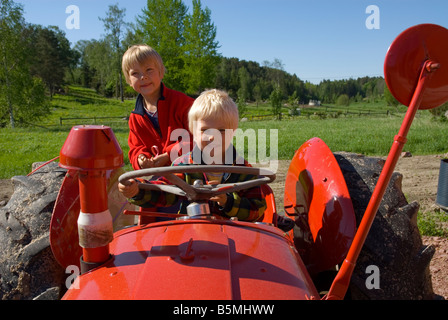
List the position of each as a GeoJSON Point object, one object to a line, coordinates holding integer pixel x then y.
{"type": "Point", "coordinates": [39, 61]}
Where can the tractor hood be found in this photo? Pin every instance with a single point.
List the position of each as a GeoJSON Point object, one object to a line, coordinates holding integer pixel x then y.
{"type": "Point", "coordinates": [198, 259]}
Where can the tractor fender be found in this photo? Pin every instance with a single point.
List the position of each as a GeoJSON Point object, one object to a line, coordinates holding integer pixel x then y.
{"type": "Point", "coordinates": [317, 198]}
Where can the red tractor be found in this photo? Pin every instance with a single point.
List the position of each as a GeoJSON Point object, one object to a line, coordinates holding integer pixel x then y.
{"type": "Point", "coordinates": [201, 257]}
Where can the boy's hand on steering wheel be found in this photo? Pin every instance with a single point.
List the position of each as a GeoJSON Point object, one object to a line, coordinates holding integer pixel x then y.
{"type": "Point", "coordinates": [129, 191]}
{"type": "Point", "coordinates": [221, 199]}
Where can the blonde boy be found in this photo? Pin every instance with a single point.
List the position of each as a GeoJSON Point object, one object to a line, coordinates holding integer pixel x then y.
{"type": "Point", "coordinates": [213, 118]}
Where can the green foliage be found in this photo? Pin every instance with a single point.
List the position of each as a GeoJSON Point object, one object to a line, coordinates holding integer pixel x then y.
{"type": "Point", "coordinates": [188, 46]}
{"type": "Point", "coordinates": [259, 82]}
{"type": "Point", "coordinates": [439, 113]}
{"type": "Point", "coordinates": [50, 55]}
{"type": "Point", "coordinates": [43, 140]}
{"type": "Point", "coordinates": [22, 97]}
{"type": "Point", "coordinates": [115, 28]}
{"type": "Point", "coordinates": [96, 63]}
{"type": "Point", "coordinates": [161, 26]}
{"type": "Point", "coordinates": [19, 148]}
{"type": "Point", "coordinates": [343, 100]}
{"type": "Point", "coordinates": [243, 92]}
{"type": "Point", "coordinates": [276, 103]}
{"type": "Point", "coordinates": [200, 50]}
{"type": "Point", "coordinates": [389, 98]}
{"type": "Point", "coordinates": [242, 107]}
{"type": "Point", "coordinates": [293, 99]}
{"type": "Point", "coordinates": [99, 65]}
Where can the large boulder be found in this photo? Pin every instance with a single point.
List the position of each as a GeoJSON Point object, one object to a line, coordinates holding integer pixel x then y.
{"type": "Point", "coordinates": [28, 269]}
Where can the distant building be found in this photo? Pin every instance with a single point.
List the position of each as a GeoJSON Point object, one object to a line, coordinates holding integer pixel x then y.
{"type": "Point", "coordinates": [314, 103]}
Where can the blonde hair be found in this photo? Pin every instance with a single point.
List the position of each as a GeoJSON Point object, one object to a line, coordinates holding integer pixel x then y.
{"type": "Point", "coordinates": [214, 104]}
{"type": "Point", "coordinates": [138, 54]}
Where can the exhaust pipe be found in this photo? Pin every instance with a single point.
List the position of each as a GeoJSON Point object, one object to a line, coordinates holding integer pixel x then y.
{"type": "Point", "coordinates": [93, 150]}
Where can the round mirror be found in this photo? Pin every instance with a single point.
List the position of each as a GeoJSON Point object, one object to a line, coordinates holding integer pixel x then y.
{"type": "Point", "coordinates": [405, 59]}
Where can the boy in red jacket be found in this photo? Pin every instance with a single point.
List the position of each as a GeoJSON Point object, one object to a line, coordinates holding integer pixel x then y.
{"type": "Point", "coordinates": [158, 111]}
{"type": "Point", "coordinates": [213, 119]}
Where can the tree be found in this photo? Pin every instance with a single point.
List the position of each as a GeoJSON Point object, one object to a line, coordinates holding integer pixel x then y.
{"type": "Point", "coordinates": [257, 93]}
{"type": "Point", "coordinates": [98, 56]}
{"type": "Point", "coordinates": [276, 102]}
{"type": "Point", "coordinates": [200, 50]}
{"type": "Point", "coordinates": [22, 97]}
{"type": "Point", "coordinates": [115, 28]}
{"type": "Point", "coordinates": [293, 99]}
{"type": "Point", "coordinates": [52, 56]}
{"type": "Point", "coordinates": [161, 26]}
{"type": "Point", "coordinates": [85, 72]}
{"type": "Point", "coordinates": [343, 100]}
{"type": "Point", "coordinates": [276, 71]}
{"type": "Point", "coordinates": [390, 99]}
{"type": "Point", "coordinates": [243, 91]}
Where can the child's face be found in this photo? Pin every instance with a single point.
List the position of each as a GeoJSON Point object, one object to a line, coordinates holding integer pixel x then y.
{"type": "Point", "coordinates": [213, 137]}
{"type": "Point", "coordinates": [145, 78]}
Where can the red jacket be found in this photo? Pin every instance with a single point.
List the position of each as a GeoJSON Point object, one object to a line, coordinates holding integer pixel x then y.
{"type": "Point", "coordinates": [173, 109]}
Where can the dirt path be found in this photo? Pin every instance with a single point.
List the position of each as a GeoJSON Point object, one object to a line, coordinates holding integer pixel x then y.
{"type": "Point", "coordinates": [420, 180]}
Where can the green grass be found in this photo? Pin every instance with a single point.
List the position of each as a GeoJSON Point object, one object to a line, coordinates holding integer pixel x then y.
{"type": "Point", "coordinates": [82, 102]}
{"type": "Point", "coordinates": [369, 135]}
{"type": "Point", "coordinates": [366, 135]}
{"type": "Point", "coordinates": [21, 147]}
{"type": "Point", "coordinates": [433, 223]}
{"type": "Point", "coordinates": [342, 131]}
{"type": "Point", "coordinates": [375, 108]}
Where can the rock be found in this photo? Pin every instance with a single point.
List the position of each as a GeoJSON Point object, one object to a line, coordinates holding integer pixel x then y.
{"type": "Point", "coordinates": [406, 154]}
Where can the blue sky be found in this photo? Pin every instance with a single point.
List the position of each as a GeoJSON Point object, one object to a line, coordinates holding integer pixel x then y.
{"type": "Point", "coordinates": [315, 39]}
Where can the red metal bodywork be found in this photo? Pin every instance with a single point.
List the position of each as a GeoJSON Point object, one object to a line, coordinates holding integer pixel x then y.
{"type": "Point", "coordinates": [64, 236]}
{"type": "Point", "coordinates": [317, 198]}
{"type": "Point", "coordinates": [92, 150]}
{"type": "Point", "coordinates": [404, 63]}
{"type": "Point", "coordinates": [198, 259]}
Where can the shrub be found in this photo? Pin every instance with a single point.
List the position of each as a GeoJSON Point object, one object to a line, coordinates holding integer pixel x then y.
{"type": "Point", "coordinates": [343, 100]}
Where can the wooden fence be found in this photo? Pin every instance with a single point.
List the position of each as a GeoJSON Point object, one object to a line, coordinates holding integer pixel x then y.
{"type": "Point", "coordinates": [322, 113]}
{"type": "Point", "coordinates": [95, 119]}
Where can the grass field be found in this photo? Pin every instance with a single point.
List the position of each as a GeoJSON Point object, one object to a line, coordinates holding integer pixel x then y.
{"type": "Point", "coordinates": [369, 135]}
{"type": "Point", "coordinates": [349, 129]}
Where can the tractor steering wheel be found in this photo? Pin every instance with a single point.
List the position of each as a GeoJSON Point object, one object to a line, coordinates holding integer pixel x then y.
{"type": "Point", "coordinates": [199, 192]}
